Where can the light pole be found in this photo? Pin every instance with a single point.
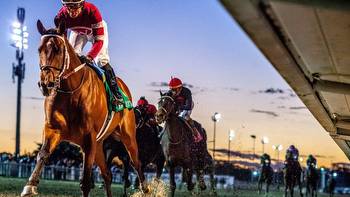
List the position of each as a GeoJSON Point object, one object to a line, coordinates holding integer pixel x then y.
{"type": "Point", "coordinates": [231, 135]}
{"type": "Point", "coordinates": [20, 42]}
{"type": "Point", "coordinates": [264, 140]}
{"type": "Point", "coordinates": [254, 138]}
{"type": "Point", "coordinates": [277, 148]}
{"type": "Point", "coordinates": [216, 117]}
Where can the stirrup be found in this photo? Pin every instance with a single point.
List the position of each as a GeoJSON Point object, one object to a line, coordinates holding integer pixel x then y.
{"type": "Point", "coordinates": [118, 101]}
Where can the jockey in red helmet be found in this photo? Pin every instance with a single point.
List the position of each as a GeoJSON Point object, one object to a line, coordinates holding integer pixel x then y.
{"type": "Point", "coordinates": [86, 25]}
{"type": "Point", "coordinates": [148, 112]}
{"type": "Point", "coordinates": [183, 99]}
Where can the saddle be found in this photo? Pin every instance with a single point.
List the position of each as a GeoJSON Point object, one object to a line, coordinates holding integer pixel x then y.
{"type": "Point", "coordinates": [198, 126]}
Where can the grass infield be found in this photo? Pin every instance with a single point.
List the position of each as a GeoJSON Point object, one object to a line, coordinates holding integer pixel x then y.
{"type": "Point", "coordinates": [12, 187]}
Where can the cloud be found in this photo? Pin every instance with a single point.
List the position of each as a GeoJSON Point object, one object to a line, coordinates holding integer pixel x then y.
{"type": "Point", "coordinates": [34, 98]}
{"type": "Point", "coordinates": [232, 89]}
{"type": "Point", "coordinates": [272, 91]}
{"type": "Point", "coordinates": [237, 154]}
{"type": "Point", "coordinates": [159, 84]}
{"type": "Point", "coordinates": [271, 113]}
{"type": "Point", "coordinates": [165, 84]}
{"type": "Point", "coordinates": [297, 108]}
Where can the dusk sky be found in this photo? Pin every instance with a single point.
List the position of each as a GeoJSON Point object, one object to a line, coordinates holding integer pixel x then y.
{"type": "Point", "coordinates": [150, 41]}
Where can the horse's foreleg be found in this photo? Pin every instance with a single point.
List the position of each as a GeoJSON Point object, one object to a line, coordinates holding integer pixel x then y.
{"type": "Point", "coordinates": [300, 186]}
{"type": "Point", "coordinates": [126, 180]}
{"type": "Point", "coordinates": [172, 180]}
{"type": "Point", "coordinates": [212, 179]}
{"type": "Point", "coordinates": [51, 140]}
{"type": "Point", "coordinates": [267, 188]}
{"type": "Point", "coordinates": [286, 188]}
{"type": "Point", "coordinates": [160, 161]}
{"type": "Point", "coordinates": [128, 137]}
{"type": "Point", "coordinates": [190, 185]}
{"type": "Point", "coordinates": [89, 148]}
{"type": "Point", "coordinates": [105, 171]}
{"type": "Point", "coordinates": [200, 179]}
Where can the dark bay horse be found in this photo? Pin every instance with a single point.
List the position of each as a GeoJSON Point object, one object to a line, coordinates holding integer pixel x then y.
{"type": "Point", "coordinates": [266, 176]}
{"type": "Point", "coordinates": [150, 150]}
{"type": "Point", "coordinates": [75, 111]}
{"type": "Point", "coordinates": [311, 178]}
{"type": "Point", "coordinates": [177, 142]}
{"type": "Point", "coordinates": [292, 177]}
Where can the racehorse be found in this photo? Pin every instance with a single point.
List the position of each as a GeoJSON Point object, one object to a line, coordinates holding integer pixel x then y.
{"type": "Point", "coordinates": [203, 163]}
{"type": "Point", "coordinates": [331, 183]}
{"type": "Point", "coordinates": [150, 150]}
{"type": "Point", "coordinates": [112, 148]}
{"type": "Point", "coordinates": [177, 142]}
{"type": "Point", "coordinates": [311, 179]}
{"type": "Point", "coordinates": [292, 176]}
{"type": "Point", "coordinates": [75, 105]}
{"type": "Point", "coordinates": [266, 176]}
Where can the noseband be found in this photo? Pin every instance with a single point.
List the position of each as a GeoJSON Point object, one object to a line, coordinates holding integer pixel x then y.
{"type": "Point", "coordinates": [162, 108]}
{"type": "Point", "coordinates": [66, 63]}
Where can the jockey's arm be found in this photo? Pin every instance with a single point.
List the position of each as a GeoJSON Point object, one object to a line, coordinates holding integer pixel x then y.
{"type": "Point", "coordinates": [97, 32]}
{"type": "Point", "coordinates": [188, 101]}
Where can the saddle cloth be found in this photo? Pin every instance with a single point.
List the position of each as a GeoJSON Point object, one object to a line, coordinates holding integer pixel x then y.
{"type": "Point", "coordinates": [110, 97]}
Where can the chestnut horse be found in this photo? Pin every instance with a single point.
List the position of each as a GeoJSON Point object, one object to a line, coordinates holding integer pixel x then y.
{"type": "Point", "coordinates": [75, 111]}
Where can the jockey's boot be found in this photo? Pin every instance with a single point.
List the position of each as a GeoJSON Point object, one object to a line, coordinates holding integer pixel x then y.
{"type": "Point", "coordinates": [196, 135]}
{"type": "Point", "coordinates": [113, 84]}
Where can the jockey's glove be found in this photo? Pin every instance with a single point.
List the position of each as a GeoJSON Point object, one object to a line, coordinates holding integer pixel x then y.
{"type": "Point", "coordinates": [86, 59]}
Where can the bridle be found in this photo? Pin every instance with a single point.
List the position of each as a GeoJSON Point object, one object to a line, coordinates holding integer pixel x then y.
{"type": "Point", "coordinates": [167, 116]}
{"type": "Point", "coordinates": [162, 108]}
{"type": "Point", "coordinates": [61, 76]}
{"type": "Point", "coordinates": [141, 121]}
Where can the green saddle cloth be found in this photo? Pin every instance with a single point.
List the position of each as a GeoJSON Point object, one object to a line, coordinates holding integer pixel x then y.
{"type": "Point", "coordinates": [127, 104]}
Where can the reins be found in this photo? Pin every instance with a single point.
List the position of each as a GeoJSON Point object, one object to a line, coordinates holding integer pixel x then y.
{"type": "Point", "coordinates": [166, 125]}
{"type": "Point", "coordinates": [66, 63]}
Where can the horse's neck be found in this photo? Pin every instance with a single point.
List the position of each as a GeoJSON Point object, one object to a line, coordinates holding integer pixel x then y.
{"type": "Point", "coordinates": [174, 126]}
{"type": "Point", "coordinates": [75, 78]}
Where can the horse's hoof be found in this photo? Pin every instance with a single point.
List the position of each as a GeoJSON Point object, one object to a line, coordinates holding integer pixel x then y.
{"type": "Point", "coordinates": [29, 190]}
{"type": "Point", "coordinates": [190, 187]}
{"type": "Point", "coordinates": [213, 193]}
{"type": "Point", "coordinates": [145, 188]}
{"type": "Point", "coordinates": [203, 187]}
{"type": "Point", "coordinates": [127, 183]}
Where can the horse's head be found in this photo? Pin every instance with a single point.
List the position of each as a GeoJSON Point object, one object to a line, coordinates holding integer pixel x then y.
{"type": "Point", "coordinates": [53, 57]}
{"type": "Point", "coordinates": [266, 162]}
{"type": "Point", "coordinates": [166, 106]}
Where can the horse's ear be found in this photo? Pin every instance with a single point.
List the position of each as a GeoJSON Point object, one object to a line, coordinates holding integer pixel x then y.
{"type": "Point", "coordinates": [62, 28]}
{"type": "Point", "coordinates": [40, 27]}
{"type": "Point", "coordinates": [161, 94]}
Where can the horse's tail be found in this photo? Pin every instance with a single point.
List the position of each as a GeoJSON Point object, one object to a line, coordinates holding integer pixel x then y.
{"type": "Point", "coordinates": [125, 88]}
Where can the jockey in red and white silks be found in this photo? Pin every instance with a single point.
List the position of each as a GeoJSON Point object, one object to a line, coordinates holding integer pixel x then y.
{"type": "Point", "coordinates": [86, 25]}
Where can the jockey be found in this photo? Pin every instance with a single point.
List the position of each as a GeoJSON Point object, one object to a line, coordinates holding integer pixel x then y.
{"type": "Point", "coordinates": [183, 100]}
{"type": "Point", "coordinates": [148, 112]}
{"type": "Point", "coordinates": [265, 160]}
{"type": "Point", "coordinates": [311, 160]}
{"type": "Point", "coordinates": [292, 153]}
{"type": "Point", "coordinates": [86, 25]}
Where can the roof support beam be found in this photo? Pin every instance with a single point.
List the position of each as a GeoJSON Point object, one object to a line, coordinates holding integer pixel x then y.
{"type": "Point", "coordinates": [332, 86]}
